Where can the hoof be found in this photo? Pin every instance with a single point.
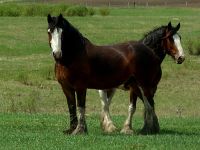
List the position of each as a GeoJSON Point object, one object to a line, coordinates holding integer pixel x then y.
{"type": "Point", "coordinates": [147, 130]}
{"type": "Point", "coordinates": [109, 128]}
{"type": "Point", "coordinates": [151, 126]}
{"type": "Point", "coordinates": [107, 124]}
{"type": "Point", "coordinates": [68, 131]}
{"type": "Point", "coordinates": [79, 130]}
{"type": "Point", "coordinates": [127, 130]}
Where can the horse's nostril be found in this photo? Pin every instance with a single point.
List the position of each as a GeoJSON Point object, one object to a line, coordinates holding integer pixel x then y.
{"type": "Point", "coordinates": [180, 59]}
{"type": "Point", "coordinates": [53, 54]}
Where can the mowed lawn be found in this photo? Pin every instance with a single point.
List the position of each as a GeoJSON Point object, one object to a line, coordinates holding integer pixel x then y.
{"type": "Point", "coordinates": [34, 110]}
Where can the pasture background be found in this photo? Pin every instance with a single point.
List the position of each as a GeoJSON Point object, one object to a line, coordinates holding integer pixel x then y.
{"type": "Point", "coordinates": [122, 3]}
{"type": "Point", "coordinates": [33, 107]}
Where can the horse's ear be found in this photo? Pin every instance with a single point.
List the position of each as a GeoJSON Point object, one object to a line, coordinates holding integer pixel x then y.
{"type": "Point", "coordinates": [169, 26]}
{"type": "Point", "coordinates": [60, 17]}
{"type": "Point", "coordinates": [49, 18]}
{"type": "Point", "coordinates": [178, 27]}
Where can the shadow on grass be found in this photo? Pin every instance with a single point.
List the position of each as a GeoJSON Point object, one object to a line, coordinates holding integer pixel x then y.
{"type": "Point", "coordinates": [162, 132]}
{"type": "Point", "coordinates": [175, 132]}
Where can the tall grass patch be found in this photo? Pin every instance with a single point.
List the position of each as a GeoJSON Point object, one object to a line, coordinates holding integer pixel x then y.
{"type": "Point", "coordinates": [80, 11]}
{"type": "Point", "coordinates": [193, 47]}
{"type": "Point", "coordinates": [77, 11]}
{"type": "Point", "coordinates": [104, 11]}
{"type": "Point", "coordinates": [15, 10]}
{"type": "Point", "coordinates": [10, 10]}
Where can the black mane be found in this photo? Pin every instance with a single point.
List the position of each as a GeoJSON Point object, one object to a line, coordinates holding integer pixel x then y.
{"type": "Point", "coordinates": [74, 36]}
{"type": "Point", "coordinates": [153, 39]}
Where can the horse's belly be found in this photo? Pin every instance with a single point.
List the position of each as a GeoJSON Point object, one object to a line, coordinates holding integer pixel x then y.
{"type": "Point", "coordinates": [92, 80]}
{"type": "Point", "coordinates": [106, 82]}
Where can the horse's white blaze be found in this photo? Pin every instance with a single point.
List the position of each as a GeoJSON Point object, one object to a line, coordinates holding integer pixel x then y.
{"type": "Point", "coordinates": [178, 45]}
{"type": "Point", "coordinates": [56, 42]}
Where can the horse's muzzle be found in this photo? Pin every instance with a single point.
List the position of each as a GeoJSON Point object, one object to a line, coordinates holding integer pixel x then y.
{"type": "Point", "coordinates": [57, 55]}
{"type": "Point", "coordinates": [180, 60]}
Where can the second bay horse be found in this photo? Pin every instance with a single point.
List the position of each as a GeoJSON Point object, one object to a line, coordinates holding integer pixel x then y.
{"type": "Point", "coordinates": [155, 40]}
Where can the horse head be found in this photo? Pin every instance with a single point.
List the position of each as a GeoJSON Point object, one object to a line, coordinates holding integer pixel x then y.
{"type": "Point", "coordinates": [172, 43]}
{"type": "Point", "coordinates": [55, 29]}
{"type": "Point", "coordinates": [65, 40]}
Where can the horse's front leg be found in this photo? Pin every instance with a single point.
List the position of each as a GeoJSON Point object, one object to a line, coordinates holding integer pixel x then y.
{"type": "Point", "coordinates": [151, 125]}
{"type": "Point", "coordinates": [106, 122]}
{"type": "Point", "coordinates": [71, 101]}
{"type": "Point", "coordinates": [81, 98]}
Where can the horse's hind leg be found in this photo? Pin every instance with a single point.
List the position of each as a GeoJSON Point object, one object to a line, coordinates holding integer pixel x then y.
{"type": "Point", "coordinates": [106, 122]}
{"type": "Point", "coordinates": [71, 101]}
{"type": "Point", "coordinates": [151, 125]}
{"type": "Point", "coordinates": [127, 129]}
{"type": "Point", "coordinates": [81, 127]}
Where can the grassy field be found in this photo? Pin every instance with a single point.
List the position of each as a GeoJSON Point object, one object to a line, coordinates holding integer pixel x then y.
{"type": "Point", "coordinates": [33, 109]}
{"type": "Point", "coordinates": [45, 132]}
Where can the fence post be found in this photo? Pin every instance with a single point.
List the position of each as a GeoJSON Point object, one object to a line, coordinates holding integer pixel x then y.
{"type": "Point", "coordinates": [128, 3]}
{"type": "Point", "coordinates": [147, 3]}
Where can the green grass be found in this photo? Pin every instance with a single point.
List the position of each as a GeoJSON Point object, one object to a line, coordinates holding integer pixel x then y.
{"type": "Point", "coordinates": [22, 131]}
{"type": "Point", "coordinates": [28, 85]}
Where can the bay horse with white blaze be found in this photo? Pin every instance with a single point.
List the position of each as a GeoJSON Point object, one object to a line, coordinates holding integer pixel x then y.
{"type": "Point", "coordinates": [81, 65]}
{"type": "Point", "coordinates": [154, 40]}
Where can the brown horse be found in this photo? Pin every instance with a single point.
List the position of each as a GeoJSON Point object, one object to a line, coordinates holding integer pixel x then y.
{"type": "Point", "coordinates": [152, 40]}
{"type": "Point", "coordinates": [81, 65]}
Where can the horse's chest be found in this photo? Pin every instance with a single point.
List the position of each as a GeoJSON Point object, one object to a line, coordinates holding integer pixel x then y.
{"type": "Point", "coordinates": [62, 74]}
{"type": "Point", "coordinates": [68, 77]}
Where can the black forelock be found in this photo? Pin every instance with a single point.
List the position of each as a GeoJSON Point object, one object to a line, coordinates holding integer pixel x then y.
{"type": "Point", "coordinates": [52, 24]}
{"type": "Point", "coordinates": [58, 23]}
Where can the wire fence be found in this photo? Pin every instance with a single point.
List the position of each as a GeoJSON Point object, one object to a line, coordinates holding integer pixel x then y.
{"type": "Point", "coordinates": [128, 3]}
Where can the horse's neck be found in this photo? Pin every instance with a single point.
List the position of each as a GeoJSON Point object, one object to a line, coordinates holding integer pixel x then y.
{"type": "Point", "coordinates": [72, 50]}
{"type": "Point", "coordinates": [156, 47]}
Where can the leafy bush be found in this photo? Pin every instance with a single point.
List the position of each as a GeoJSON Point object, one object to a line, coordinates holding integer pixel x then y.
{"type": "Point", "coordinates": [10, 10]}
{"type": "Point", "coordinates": [104, 11]}
{"type": "Point", "coordinates": [32, 10]}
{"type": "Point", "coordinates": [91, 11]}
{"type": "Point", "coordinates": [193, 47]}
{"type": "Point", "coordinates": [77, 11]}
{"type": "Point", "coordinates": [44, 9]}
{"type": "Point", "coordinates": [57, 9]}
